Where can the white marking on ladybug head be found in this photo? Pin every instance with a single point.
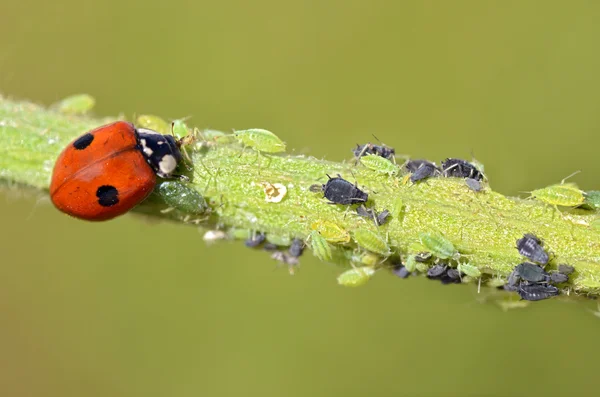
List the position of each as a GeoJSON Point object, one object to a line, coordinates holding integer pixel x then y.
{"type": "Point", "coordinates": [147, 131]}
{"type": "Point", "coordinates": [167, 164]}
{"type": "Point", "coordinates": [145, 147]}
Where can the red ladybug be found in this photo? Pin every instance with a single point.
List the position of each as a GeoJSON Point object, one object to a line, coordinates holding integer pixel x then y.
{"type": "Point", "coordinates": [108, 171]}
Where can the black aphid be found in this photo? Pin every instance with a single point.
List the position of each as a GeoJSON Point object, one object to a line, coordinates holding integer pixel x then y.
{"type": "Point", "coordinates": [339, 191]}
{"type": "Point", "coordinates": [565, 269]}
{"type": "Point", "coordinates": [531, 247]}
{"type": "Point", "coordinates": [401, 271]}
{"type": "Point", "coordinates": [270, 247]}
{"type": "Point", "coordinates": [297, 248]}
{"type": "Point", "coordinates": [474, 184]}
{"type": "Point", "coordinates": [512, 284]}
{"type": "Point", "coordinates": [532, 273]}
{"type": "Point", "coordinates": [379, 219]}
{"type": "Point", "coordinates": [558, 278]}
{"type": "Point", "coordinates": [436, 271]}
{"type": "Point", "coordinates": [537, 292]}
{"type": "Point", "coordinates": [452, 276]}
{"type": "Point", "coordinates": [423, 257]}
{"type": "Point", "coordinates": [460, 169]}
{"type": "Point", "coordinates": [379, 150]}
{"type": "Point", "coordinates": [256, 240]}
{"type": "Point", "coordinates": [421, 169]}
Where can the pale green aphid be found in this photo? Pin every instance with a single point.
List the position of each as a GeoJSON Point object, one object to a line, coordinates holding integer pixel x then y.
{"type": "Point", "coordinates": [379, 164]}
{"type": "Point", "coordinates": [282, 240]}
{"type": "Point", "coordinates": [330, 231]}
{"type": "Point", "coordinates": [469, 270]}
{"type": "Point", "coordinates": [592, 199]}
{"type": "Point", "coordinates": [179, 128]}
{"type": "Point", "coordinates": [398, 208]}
{"type": "Point", "coordinates": [565, 195]}
{"type": "Point", "coordinates": [496, 282]}
{"type": "Point", "coordinates": [411, 263]}
{"type": "Point", "coordinates": [320, 247]}
{"type": "Point", "coordinates": [239, 234]}
{"type": "Point", "coordinates": [356, 277]}
{"type": "Point", "coordinates": [153, 123]}
{"type": "Point", "coordinates": [366, 258]}
{"type": "Point", "coordinates": [422, 267]}
{"type": "Point", "coordinates": [76, 104]}
{"type": "Point", "coordinates": [260, 140]}
{"type": "Point", "coordinates": [183, 198]}
{"type": "Point", "coordinates": [438, 245]}
{"type": "Point", "coordinates": [371, 241]}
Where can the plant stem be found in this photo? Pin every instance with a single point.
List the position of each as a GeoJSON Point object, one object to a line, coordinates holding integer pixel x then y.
{"type": "Point", "coordinates": [483, 226]}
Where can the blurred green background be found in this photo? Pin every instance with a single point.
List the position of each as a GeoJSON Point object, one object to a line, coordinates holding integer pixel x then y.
{"type": "Point", "coordinates": [131, 308]}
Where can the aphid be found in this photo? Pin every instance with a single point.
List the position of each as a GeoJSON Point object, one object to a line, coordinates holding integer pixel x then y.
{"type": "Point", "coordinates": [410, 264]}
{"type": "Point", "coordinates": [563, 194]}
{"type": "Point", "coordinates": [76, 104]}
{"type": "Point", "coordinates": [421, 169]}
{"type": "Point", "coordinates": [356, 277]}
{"type": "Point", "coordinates": [438, 245]}
{"type": "Point", "coordinates": [286, 259]}
{"type": "Point", "coordinates": [496, 282]}
{"type": "Point", "coordinates": [530, 272]}
{"type": "Point", "coordinates": [379, 219]}
{"type": "Point", "coordinates": [531, 247]}
{"type": "Point", "coordinates": [474, 184]}
{"type": "Point", "coordinates": [379, 164]}
{"type": "Point", "coordinates": [281, 240]}
{"type": "Point", "coordinates": [422, 267]}
{"type": "Point", "coordinates": [512, 284]}
{"type": "Point", "coordinates": [371, 241]}
{"type": "Point", "coordinates": [469, 270]}
{"type": "Point", "coordinates": [320, 246]}
{"type": "Point", "coordinates": [366, 258]}
{"type": "Point", "coordinates": [106, 172]}
{"type": "Point", "coordinates": [153, 123]}
{"type": "Point", "coordinates": [255, 240]}
{"type": "Point", "coordinates": [401, 271]}
{"type": "Point", "coordinates": [297, 248]}
{"type": "Point", "coordinates": [371, 149]}
{"type": "Point", "coordinates": [339, 191]}
{"type": "Point", "coordinates": [423, 256]}
{"type": "Point", "coordinates": [274, 192]}
{"type": "Point", "coordinates": [460, 169]}
{"type": "Point", "coordinates": [330, 231]}
{"type": "Point", "coordinates": [558, 278]}
{"type": "Point", "coordinates": [565, 269]}
{"type": "Point", "coordinates": [592, 199]}
{"type": "Point", "coordinates": [436, 271]}
{"type": "Point", "coordinates": [182, 197]}
{"type": "Point", "coordinates": [179, 128]}
{"type": "Point", "coordinates": [536, 292]}
{"type": "Point", "coordinates": [260, 140]}
{"type": "Point", "coordinates": [398, 208]}
{"type": "Point", "coordinates": [453, 274]}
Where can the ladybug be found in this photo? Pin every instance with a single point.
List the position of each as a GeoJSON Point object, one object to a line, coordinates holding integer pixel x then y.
{"type": "Point", "coordinates": [106, 172]}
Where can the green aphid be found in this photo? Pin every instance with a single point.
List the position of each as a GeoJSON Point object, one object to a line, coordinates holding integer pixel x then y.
{"type": "Point", "coordinates": [320, 247]}
{"type": "Point", "coordinates": [366, 258]}
{"type": "Point", "coordinates": [469, 270]}
{"type": "Point", "coordinates": [239, 234]}
{"type": "Point", "coordinates": [179, 128]}
{"type": "Point", "coordinates": [330, 231]}
{"type": "Point", "coordinates": [76, 104]}
{"type": "Point", "coordinates": [379, 164]}
{"type": "Point", "coordinates": [260, 140]}
{"type": "Point", "coordinates": [496, 282]}
{"type": "Point", "coordinates": [356, 277]}
{"type": "Point", "coordinates": [439, 246]}
{"type": "Point", "coordinates": [371, 241]}
{"type": "Point", "coordinates": [565, 195]}
{"type": "Point", "coordinates": [282, 240]}
{"type": "Point", "coordinates": [183, 198]}
{"type": "Point", "coordinates": [411, 263]}
{"type": "Point", "coordinates": [422, 267]}
{"type": "Point", "coordinates": [592, 199]}
{"type": "Point", "coordinates": [398, 208]}
{"type": "Point", "coordinates": [153, 123]}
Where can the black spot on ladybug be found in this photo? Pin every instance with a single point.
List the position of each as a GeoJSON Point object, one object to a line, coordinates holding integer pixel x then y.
{"type": "Point", "coordinates": [107, 195]}
{"type": "Point", "coordinates": [83, 141]}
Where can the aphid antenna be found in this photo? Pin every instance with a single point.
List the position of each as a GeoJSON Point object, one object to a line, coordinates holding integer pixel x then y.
{"type": "Point", "coordinates": [573, 174]}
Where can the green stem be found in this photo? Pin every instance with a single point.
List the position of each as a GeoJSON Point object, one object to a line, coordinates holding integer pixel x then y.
{"type": "Point", "coordinates": [483, 226]}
